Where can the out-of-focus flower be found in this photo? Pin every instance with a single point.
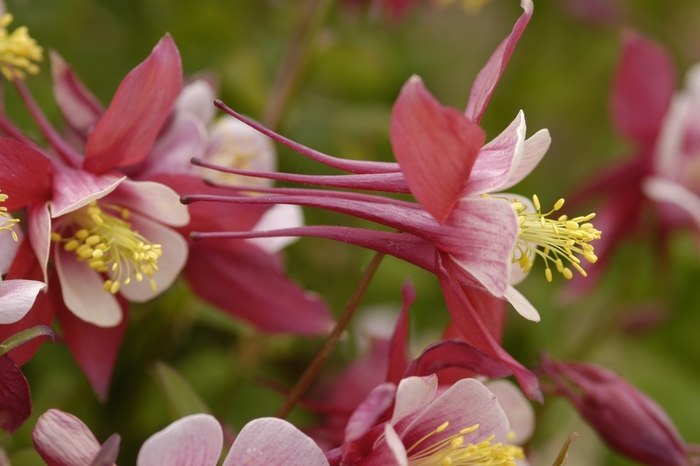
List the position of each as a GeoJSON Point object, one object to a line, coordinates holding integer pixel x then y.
{"type": "Point", "coordinates": [463, 425]}
{"type": "Point", "coordinates": [629, 421]}
{"type": "Point", "coordinates": [18, 51]}
{"type": "Point", "coordinates": [62, 439]}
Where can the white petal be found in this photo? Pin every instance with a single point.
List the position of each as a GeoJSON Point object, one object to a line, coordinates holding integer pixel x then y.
{"type": "Point", "coordinates": [8, 248]}
{"type": "Point", "coordinates": [277, 217]}
{"type": "Point", "coordinates": [175, 252]}
{"type": "Point", "coordinates": [155, 200]}
{"type": "Point", "coordinates": [665, 190]}
{"type": "Point", "coordinates": [521, 304]}
{"type": "Point", "coordinates": [16, 298]}
{"type": "Point", "coordinates": [518, 409]}
{"type": "Point", "coordinates": [39, 221]}
{"type": "Point", "coordinates": [197, 98]}
{"type": "Point", "coordinates": [83, 293]}
{"type": "Point", "coordinates": [395, 445]}
{"type": "Point", "coordinates": [412, 394]}
{"type": "Point", "coordinates": [194, 440]}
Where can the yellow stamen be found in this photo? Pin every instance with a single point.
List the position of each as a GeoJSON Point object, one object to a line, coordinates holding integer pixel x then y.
{"type": "Point", "coordinates": [560, 239]}
{"type": "Point", "coordinates": [18, 51]}
{"type": "Point", "coordinates": [7, 222]}
{"type": "Point", "coordinates": [454, 450]}
{"type": "Point", "coordinates": [110, 245]}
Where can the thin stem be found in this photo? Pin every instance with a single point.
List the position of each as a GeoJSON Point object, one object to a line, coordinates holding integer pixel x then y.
{"type": "Point", "coordinates": [324, 353]}
{"type": "Point", "coordinates": [292, 68]}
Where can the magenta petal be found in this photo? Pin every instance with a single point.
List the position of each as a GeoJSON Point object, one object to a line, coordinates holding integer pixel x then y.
{"type": "Point", "coordinates": [455, 353]}
{"type": "Point", "coordinates": [73, 189]}
{"type": "Point", "coordinates": [644, 85]}
{"type": "Point", "coordinates": [125, 133]}
{"type": "Point", "coordinates": [25, 175]}
{"type": "Point", "coordinates": [80, 108]}
{"type": "Point", "coordinates": [194, 440]}
{"type": "Point", "coordinates": [398, 348]}
{"type": "Point", "coordinates": [368, 412]}
{"type": "Point", "coordinates": [485, 82]}
{"type": "Point", "coordinates": [16, 298]}
{"type": "Point", "coordinates": [64, 440]}
{"type": "Point", "coordinates": [238, 277]}
{"type": "Point", "coordinates": [15, 399]}
{"type": "Point", "coordinates": [270, 441]}
{"type": "Point", "coordinates": [94, 348]}
{"type": "Point", "coordinates": [435, 147]}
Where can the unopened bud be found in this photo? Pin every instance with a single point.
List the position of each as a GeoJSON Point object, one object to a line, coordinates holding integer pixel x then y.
{"type": "Point", "coordinates": [629, 421]}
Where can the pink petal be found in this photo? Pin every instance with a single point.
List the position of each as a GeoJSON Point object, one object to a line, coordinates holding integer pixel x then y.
{"type": "Point", "coordinates": [665, 190]}
{"type": "Point", "coordinates": [535, 148]}
{"type": "Point", "coordinates": [39, 220]}
{"type": "Point", "coordinates": [498, 159]}
{"type": "Point", "coordinates": [669, 146]}
{"type": "Point", "coordinates": [521, 416]}
{"type": "Point", "coordinates": [15, 399]}
{"type": "Point", "coordinates": [521, 304]}
{"type": "Point", "coordinates": [435, 147]}
{"type": "Point", "coordinates": [194, 440]}
{"type": "Point", "coordinates": [644, 84]}
{"type": "Point", "coordinates": [80, 108]}
{"type": "Point", "coordinates": [197, 98]}
{"type": "Point", "coordinates": [490, 227]}
{"type": "Point", "coordinates": [174, 257]}
{"type": "Point", "coordinates": [25, 175]}
{"type": "Point", "coordinates": [455, 353]}
{"type": "Point", "coordinates": [73, 189]}
{"type": "Point", "coordinates": [277, 217]}
{"type": "Point", "coordinates": [125, 133]}
{"type": "Point", "coordinates": [63, 440]}
{"type": "Point", "coordinates": [398, 355]}
{"type": "Point", "coordinates": [412, 394]}
{"type": "Point", "coordinates": [83, 293]}
{"type": "Point", "coordinates": [94, 348]}
{"type": "Point", "coordinates": [8, 248]}
{"type": "Point", "coordinates": [16, 298]}
{"type": "Point", "coordinates": [269, 441]}
{"type": "Point", "coordinates": [238, 277]}
{"type": "Point", "coordinates": [369, 411]}
{"type": "Point", "coordinates": [486, 80]}
{"type": "Point", "coordinates": [481, 408]}
{"type": "Point", "coordinates": [184, 138]}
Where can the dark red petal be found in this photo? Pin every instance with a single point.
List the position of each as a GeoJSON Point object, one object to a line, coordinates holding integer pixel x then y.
{"type": "Point", "coordinates": [15, 399]}
{"type": "Point", "coordinates": [25, 175]}
{"type": "Point", "coordinates": [643, 87]}
{"type": "Point", "coordinates": [436, 147]}
{"type": "Point", "coordinates": [125, 133]}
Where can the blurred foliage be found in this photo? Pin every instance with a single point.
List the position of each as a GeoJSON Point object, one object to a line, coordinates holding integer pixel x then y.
{"type": "Point", "coordinates": [560, 74]}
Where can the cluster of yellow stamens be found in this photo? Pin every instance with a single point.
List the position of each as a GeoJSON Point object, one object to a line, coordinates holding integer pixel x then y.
{"type": "Point", "coordinates": [7, 221]}
{"type": "Point", "coordinates": [560, 239]}
{"type": "Point", "coordinates": [453, 451]}
{"type": "Point", "coordinates": [108, 244]}
{"type": "Point", "coordinates": [18, 51]}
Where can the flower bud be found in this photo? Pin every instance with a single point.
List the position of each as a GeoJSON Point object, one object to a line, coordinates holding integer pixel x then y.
{"type": "Point", "coordinates": [629, 421]}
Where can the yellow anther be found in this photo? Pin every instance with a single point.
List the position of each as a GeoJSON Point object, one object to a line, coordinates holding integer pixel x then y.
{"type": "Point", "coordinates": [81, 234]}
{"type": "Point", "coordinates": [560, 239]}
{"type": "Point", "coordinates": [55, 237]}
{"type": "Point", "coordinates": [114, 289]}
{"type": "Point", "coordinates": [107, 285]}
{"type": "Point", "coordinates": [71, 245]}
{"type": "Point", "coordinates": [92, 240]}
{"type": "Point", "coordinates": [97, 253]}
{"type": "Point", "coordinates": [96, 264]}
{"type": "Point", "coordinates": [18, 51]}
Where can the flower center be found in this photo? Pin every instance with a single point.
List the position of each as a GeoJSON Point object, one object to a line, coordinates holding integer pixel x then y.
{"type": "Point", "coordinates": [18, 51]}
{"type": "Point", "coordinates": [108, 244]}
{"type": "Point", "coordinates": [7, 222]}
{"type": "Point", "coordinates": [560, 239]}
{"type": "Point", "coordinates": [453, 451]}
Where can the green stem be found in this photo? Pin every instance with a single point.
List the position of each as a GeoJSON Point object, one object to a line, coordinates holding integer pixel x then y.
{"type": "Point", "coordinates": [324, 353]}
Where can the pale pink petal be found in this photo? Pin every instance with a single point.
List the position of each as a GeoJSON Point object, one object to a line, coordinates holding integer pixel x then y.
{"type": "Point", "coordinates": [521, 416]}
{"type": "Point", "coordinates": [272, 441]}
{"type": "Point", "coordinates": [197, 98]}
{"type": "Point", "coordinates": [535, 148]}
{"type": "Point", "coordinates": [669, 145]}
{"type": "Point", "coordinates": [485, 250]}
{"type": "Point", "coordinates": [16, 298]}
{"type": "Point", "coordinates": [465, 404]}
{"type": "Point", "coordinates": [368, 412]}
{"type": "Point", "coordinates": [395, 445]}
{"type": "Point", "coordinates": [194, 440]}
{"type": "Point", "coordinates": [83, 293]}
{"type": "Point", "coordinates": [63, 440]}
{"type": "Point", "coordinates": [40, 234]}
{"type": "Point", "coordinates": [73, 189]}
{"type": "Point", "coordinates": [169, 265]}
{"type": "Point", "coordinates": [498, 159]}
{"type": "Point", "coordinates": [155, 200]}
{"type": "Point", "coordinates": [521, 304]}
{"type": "Point", "coordinates": [125, 133]}
{"type": "Point", "coordinates": [412, 394]}
{"type": "Point", "coordinates": [665, 190]}
{"type": "Point", "coordinates": [8, 248]}
{"type": "Point", "coordinates": [435, 146]}
{"type": "Point", "coordinates": [78, 105]}
{"type": "Point", "coordinates": [277, 217]}
{"type": "Point", "coordinates": [184, 138]}
{"type": "Point", "coordinates": [486, 80]}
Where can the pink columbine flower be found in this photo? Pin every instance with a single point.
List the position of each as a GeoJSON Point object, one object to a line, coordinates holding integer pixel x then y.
{"type": "Point", "coordinates": [629, 421]}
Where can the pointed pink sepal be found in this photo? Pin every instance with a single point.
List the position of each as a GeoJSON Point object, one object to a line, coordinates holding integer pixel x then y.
{"type": "Point", "coordinates": [435, 146]}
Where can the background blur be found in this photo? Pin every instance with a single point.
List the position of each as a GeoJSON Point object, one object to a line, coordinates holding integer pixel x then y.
{"type": "Point", "coordinates": [560, 75]}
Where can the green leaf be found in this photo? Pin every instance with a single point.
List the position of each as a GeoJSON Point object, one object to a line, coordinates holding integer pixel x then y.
{"type": "Point", "coordinates": [181, 398]}
{"type": "Point", "coordinates": [24, 336]}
